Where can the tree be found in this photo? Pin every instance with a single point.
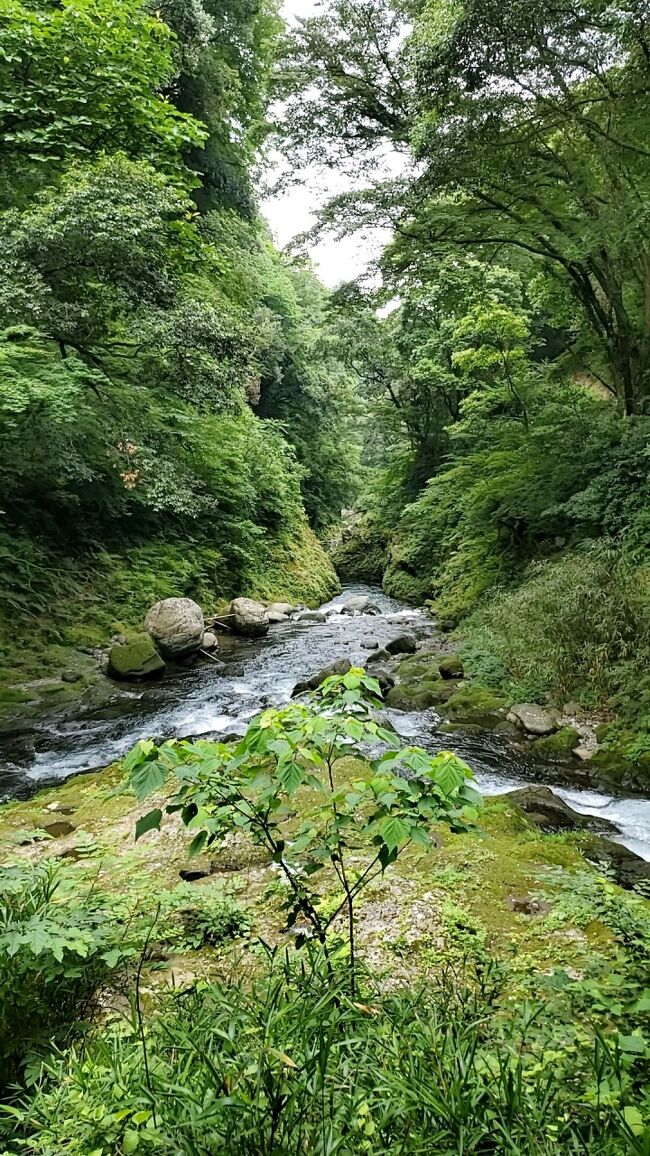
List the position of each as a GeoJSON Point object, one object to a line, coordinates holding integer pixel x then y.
{"type": "Point", "coordinates": [533, 130]}
{"type": "Point", "coordinates": [80, 79]}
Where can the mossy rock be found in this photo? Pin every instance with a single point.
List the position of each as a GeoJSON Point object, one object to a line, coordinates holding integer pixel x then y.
{"type": "Point", "coordinates": [475, 704]}
{"type": "Point", "coordinates": [440, 689]}
{"type": "Point", "coordinates": [136, 658]}
{"type": "Point", "coordinates": [451, 667]}
{"type": "Point", "coordinates": [409, 698]}
{"type": "Point", "coordinates": [557, 748]}
{"type": "Point", "coordinates": [419, 666]}
{"type": "Point", "coordinates": [14, 696]}
{"type": "Point", "coordinates": [616, 765]}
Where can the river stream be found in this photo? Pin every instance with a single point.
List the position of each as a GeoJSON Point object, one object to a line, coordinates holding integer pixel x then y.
{"type": "Point", "coordinates": [262, 672]}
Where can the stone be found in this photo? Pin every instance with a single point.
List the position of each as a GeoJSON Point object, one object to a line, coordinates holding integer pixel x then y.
{"type": "Point", "coordinates": [548, 811]}
{"type": "Point", "coordinates": [534, 719]}
{"type": "Point", "coordinates": [382, 655]}
{"type": "Point", "coordinates": [71, 676]}
{"type": "Point", "coordinates": [311, 616]}
{"type": "Point", "coordinates": [370, 644]}
{"type": "Point", "coordinates": [628, 867]}
{"type": "Point", "coordinates": [210, 641]}
{"type": "Point", "coordinates": [135, 659]}
{"type": "Point", "coordinates": [284, 608]}
{"type": "Point", "coordinates": [558, 747]}
{"type": "Point", "coordinates": [451, 667]}
{"type": "Point", "coordinates": [403, 644]}
{"type": "Point", "coordinates": [360, 604]}
{"type": "Point", "coordinates": [409, 698]}
{"type": "Point", "coordinates": [342, 666]}
{"type": "Point", "coordinates": [249, 618]}
{"type": "Point", "coordinates": [176, 626]}
{"type": "Point", "coordinates": [275, 617]}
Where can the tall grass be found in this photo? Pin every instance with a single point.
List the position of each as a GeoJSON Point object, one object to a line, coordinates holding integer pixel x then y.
{"type": "Point", "coordinates": [290, 1065]}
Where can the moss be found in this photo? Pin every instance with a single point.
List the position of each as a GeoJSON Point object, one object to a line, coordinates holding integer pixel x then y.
{"type": "Point", "coordinates": [419, 666]}
{"type": "Point", "coordinates": [295, 570]}
{"type": "Point", "coordinates": [136, 658]}
{"type": "Point", "coordinates": [557, 747]}
{"type": "Point", "coordinates": [13, 694]}
{"type": "Point", "coordinates": [362, 555]}
{"type": "Point", "coordinates": [474, 702]}
{"type": "Point", "coordinates": [451, 666]}
{"type": "Point", "coordinates": [405, 697]}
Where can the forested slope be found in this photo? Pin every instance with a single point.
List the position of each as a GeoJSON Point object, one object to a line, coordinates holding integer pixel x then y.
{"type": "Point", "coordinates": [174, 418]}
{"type": "Point", "coordinates": [509, 384]}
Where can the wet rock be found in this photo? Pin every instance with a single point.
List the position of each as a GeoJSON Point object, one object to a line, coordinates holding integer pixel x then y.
{"type": "Point", "coordinates": [360, 604]}
{"type": "Point", "coordinates": [451, 667]}
{"type": "Point", "coordinates": [341, 667]}
{"type": "Point", "coordinates": [476, 704]}
{"type": "Point", "coordinates": [275, 617]}
{"type": "Point", "coordinates": [548, 811]}
{"type": "Point", "coordinates": [311, 616]}
{"type": "Point", "coordinates": [382, 655]}
{"type": "Point", "coordinates": [176, 626]}
{"type": "Point", "coordinates": [385, 678]}
{"type": "Point", "coordinates": [137, 658]}
{"type": "Point", "coordinates": [403, 644]}
{"type": "Point", "coordinates": [409, 698]}
{"type": "Point", "coordinates": [249, 618]}
{"type": "Point", "coordinates": [370, 644]}
{"type": "Point", "coordinates": [210, 641]}
{"type": "Point", "coordinates": [534, 719]}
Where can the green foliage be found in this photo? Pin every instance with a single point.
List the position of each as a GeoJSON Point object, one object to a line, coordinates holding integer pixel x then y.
{"type": "Point", "coordinates": [57, 945]}
{"type": "Point", "coordinates": [80, 78]}
{"type": "Point", "coordinates": [267, 1067]}
{"type": "Point", "coordinates": [357, 829]}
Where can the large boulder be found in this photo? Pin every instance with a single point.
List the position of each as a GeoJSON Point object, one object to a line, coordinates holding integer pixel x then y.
{"type": "Point", "coordinates": [360, 604]}
{"type": "Point", "coordinates": [249, 618]}
{"type": "Point", "coordinates": [403, 644]}
{"type": "Point", "coordinates": [276, 617]}
{"type": "Point", "coordinates": [176, 626]}
{"type": "Point", "coordinates": [342, 666]}
{"type": "Point", "coordinates": [135, 658]}
{"type": "Point", "coordinates": [451, 667]}
{"type": "Point", "coordinates": [534, 719]}
{"type": "Point", "coordinates": [548, 811]}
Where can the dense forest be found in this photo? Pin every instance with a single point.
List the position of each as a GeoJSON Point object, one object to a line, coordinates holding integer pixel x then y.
{"type": "Point", "coordinates": [362, 954]}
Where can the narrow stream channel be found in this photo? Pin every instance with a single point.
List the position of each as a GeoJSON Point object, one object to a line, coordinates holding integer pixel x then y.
{"type": "Point", "coordinates": [262, 672]}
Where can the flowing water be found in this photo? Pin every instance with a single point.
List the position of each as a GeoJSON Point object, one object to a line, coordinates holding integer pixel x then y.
{"type": "Point", "coordinates": [261, 672]}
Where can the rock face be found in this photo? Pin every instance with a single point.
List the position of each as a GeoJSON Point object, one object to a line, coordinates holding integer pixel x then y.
{"type": "Point", "coordinates": [249, 618]}
{"type": "Point", "coordinates": [360, 604]}
{"type": "Point", "coordinates": [534, 719]}
{"type": "Point", "coordinates": [403, 644]}
{"type": "Point", "coordinates": [176, 626]}
{"type": "Point", "coordinates": [549, 811]}
{"type": "Point", "coordinates": [312, 683]}
{"type": "Point", "coordinates": [134, 659]}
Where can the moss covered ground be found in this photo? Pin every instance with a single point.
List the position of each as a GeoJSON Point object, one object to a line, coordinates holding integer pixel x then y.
{"type": "Point", "coordinates": [503, 889]}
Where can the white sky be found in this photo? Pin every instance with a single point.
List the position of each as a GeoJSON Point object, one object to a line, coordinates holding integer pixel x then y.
{"type": "Point", "coordinates": [292, 212]}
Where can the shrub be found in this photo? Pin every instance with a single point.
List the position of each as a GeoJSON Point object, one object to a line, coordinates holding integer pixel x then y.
{"type": "Point", "coordinates": [57, 944]}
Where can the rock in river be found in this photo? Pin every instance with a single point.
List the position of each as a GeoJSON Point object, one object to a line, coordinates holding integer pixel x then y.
{"type": "Point", "coordinates": [403, 644]}
{"type": "Point", "coordinates": [360, 604]}
{"type": "Point", "coordinates": [134, 659]}
{"type": "Point", "coordinates": [249, 618]}
{"type": "Point", "coordinates": [548, 811]}
{"type": "Point", "coordinates": [312, 683]}
{"type": "Point", "coordinates": [176, 626]}
{"type": "Point", "coordinates": [311, 616]}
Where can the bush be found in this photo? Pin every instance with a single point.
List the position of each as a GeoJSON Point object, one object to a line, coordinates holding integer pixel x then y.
{"type": "Point", "coordinates": [577, 626]}
{"type": "Point", "coordinates": [57, 945]}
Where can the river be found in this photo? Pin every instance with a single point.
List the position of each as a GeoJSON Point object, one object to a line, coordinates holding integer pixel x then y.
{"type": "Point", "coordinates": [262, 672]}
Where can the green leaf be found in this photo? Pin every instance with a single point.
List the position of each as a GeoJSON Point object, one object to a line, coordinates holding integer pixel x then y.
{"type": "Point", "coordinates": [198, 843]}
{"type": "Point", "coordinates": [150, 822]}
{"type": "Point", "coordinates": [634, 1120]}
{"type": "Point", "coordinates": [291, 775]}
{"type": "Point", "coordinates": [147, 779]}
{"type": "Point", "coordinates": [130, 1141]}
{"type": "Point", "coordinates": [634, 1043]}
{"type": "Point", "coordinates": [394, 832]}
